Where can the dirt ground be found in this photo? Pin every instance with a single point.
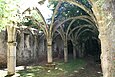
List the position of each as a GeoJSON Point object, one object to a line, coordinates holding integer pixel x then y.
{"type": "Point", "coordinates": [91, 69]}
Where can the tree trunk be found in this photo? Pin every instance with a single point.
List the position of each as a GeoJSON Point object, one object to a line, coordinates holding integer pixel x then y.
{"type": "Point", "coordinates": [65, 52]}
{"type": "Point", "coordinates": [74, 52]}
{"type": "Point", "coordinates": [49, 50]}
{"type": "Point", "coordinates": [11, 50]}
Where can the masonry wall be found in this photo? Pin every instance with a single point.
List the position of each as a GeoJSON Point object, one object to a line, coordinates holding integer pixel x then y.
{"type": "Point", "coordinates": [30, 48]}
{"type": "Point", "coordinates": [109, 16]}
{"type": "Point", "coordinates": [3, 47]}
{"type": "Point", "coordinates": [105, 15]}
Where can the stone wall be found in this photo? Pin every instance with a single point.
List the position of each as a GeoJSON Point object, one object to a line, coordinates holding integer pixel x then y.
{"type": "Point", "coordinates": [109, 13]}
{"type": "Point", "coordinates": [30, 47]}
{"type": "Point", "coordinates": [3, 47]}
{"type": "Point", "coordinates": [58, 47]}
{"type": "Point", "coordinates": [105, 15]}
{"type": "Point", "coordinates": [26, 47]}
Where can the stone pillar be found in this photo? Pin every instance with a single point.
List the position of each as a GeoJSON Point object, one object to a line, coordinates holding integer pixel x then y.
{"type": "Point", "coordinates": [27, 41]}
{"type": "Point", "coordinates": [21, 43]}
{"type": "Point", "coordinates": [77, 49]}
{"type": "Point", "coordinates": [20, 47]}
{"type": "Point", "coordinates": [11, 49]}
{"type": "Point", "coordinates": [74, 51]}
{"type": "Point", "coordinates": [49, 50]}
{"type": "Point", "coordinates": [65, 51]}
{"type": "Point", "coordinates": [80, 50]}
{"type": "Point", "coordinates": [83, 48]}
{"type": "Point", "coordinates": [35, 47]}
{"type": "Point", "coordinates": [11, 58]}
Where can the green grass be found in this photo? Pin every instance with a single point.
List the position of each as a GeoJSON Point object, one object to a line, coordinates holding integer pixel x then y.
{"type": "Point", "coordinates": [61, 70]}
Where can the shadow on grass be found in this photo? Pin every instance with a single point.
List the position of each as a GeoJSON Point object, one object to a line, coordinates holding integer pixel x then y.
{"type": "Point", "coordinates": [61, 69]}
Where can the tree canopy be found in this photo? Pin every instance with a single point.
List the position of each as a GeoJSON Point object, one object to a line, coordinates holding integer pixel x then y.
{"type": "Point", "coordinates": [8, 12]}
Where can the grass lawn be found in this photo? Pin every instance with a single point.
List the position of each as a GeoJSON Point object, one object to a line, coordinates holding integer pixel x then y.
{"type": "Point", "coordinates": [61, 69]}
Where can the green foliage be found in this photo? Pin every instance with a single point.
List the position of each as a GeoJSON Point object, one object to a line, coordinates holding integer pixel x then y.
{"type": "Point", "coordinates": [8, 11]}
{"type": "Point", "coordinates": [85, 2]}
{"type": "Point", "coordinates": [68, 10]}
{"type": "Point", "coordinates": [32, 19]}
{"type": "Point", "coordinates": [100, 2]}
{"type": "Point", "coordinates": [27, 22]}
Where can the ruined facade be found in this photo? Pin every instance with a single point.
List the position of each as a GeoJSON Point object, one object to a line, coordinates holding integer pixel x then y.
{"type": "Point", "coordinates": [31, 48]}
{"type": "Point", "coordinates": [27, 49]}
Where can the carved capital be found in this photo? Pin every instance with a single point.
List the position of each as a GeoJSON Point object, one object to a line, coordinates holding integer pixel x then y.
{"type": "Point", "coordinates": [11, 43]}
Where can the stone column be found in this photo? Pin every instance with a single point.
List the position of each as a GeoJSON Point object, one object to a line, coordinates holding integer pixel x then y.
{"type": "Point", "coordinates": [11, 49]}
{"type": "Point", "coordinates": [20, 47]}
{"type": "Point", "coordinates": [35, 47]}
{"type": "Point", "coordinates": [65, 51]}
{"type": "Point", "coordinates": [27, 41]}
{"type": "Point", "coordinates": [49, 50]}
{"type": "Point", "coordinates": [80, 50]}
{"type": "Point", "coordinates": [74, 51]}
{"type": "Point", "coordinates": [83, 48]}
{"type": "Point", "coordinates": [11, 58]}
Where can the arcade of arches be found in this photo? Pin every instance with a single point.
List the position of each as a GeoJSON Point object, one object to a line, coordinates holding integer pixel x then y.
{"type": "Point", "coordinates": [102, 20]}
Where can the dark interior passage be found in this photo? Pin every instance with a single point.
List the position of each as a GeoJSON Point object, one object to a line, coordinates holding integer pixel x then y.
{"type": "Point", "coordinates": [93, 49]}
{"type": "Point", "coordinates": [70, 47]}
